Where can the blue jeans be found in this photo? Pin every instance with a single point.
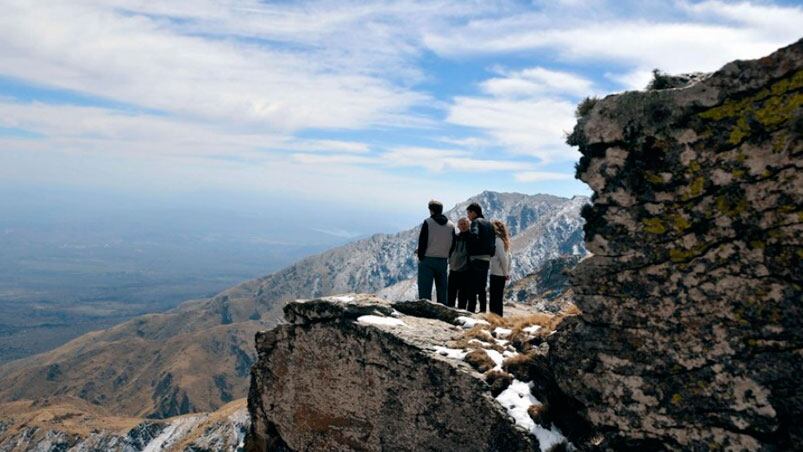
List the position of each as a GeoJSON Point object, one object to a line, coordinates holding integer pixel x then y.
{"type": "Point", "coordinates": [432, 269]}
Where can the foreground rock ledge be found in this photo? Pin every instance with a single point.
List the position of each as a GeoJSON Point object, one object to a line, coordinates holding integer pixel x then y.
{"type": "Point", "coordinates": [330, 382]}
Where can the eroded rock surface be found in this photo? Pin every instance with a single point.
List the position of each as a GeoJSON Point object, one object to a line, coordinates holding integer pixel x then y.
{"type": "Point", "coordinates": [691, 329]}
{"type": "Point", "coordinates": [351, 373]}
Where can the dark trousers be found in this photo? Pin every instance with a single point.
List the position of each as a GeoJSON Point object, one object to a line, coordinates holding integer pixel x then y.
{"type": "Point", "coordinates": [496, 291]}
{"type": "Point", "coordinates": [457, 289]}
{"type": "Point", "coordinates": [478, 280]}
{"type": "Point", "coordinates": [432, 269]}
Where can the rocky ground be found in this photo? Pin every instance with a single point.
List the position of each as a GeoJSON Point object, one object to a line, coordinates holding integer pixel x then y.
{"type": "Point", "coordinates": [357, 372]}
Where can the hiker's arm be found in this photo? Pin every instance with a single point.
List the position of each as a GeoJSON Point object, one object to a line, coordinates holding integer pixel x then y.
{"type": "Point", "coordinates": [423, 238]}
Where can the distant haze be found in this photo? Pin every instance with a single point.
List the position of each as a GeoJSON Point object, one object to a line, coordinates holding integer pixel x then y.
{"type": "Point", "coordinates": [75, 260]}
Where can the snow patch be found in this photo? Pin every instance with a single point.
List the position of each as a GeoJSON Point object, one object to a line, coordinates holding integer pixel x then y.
{"type": "Point", "coordinates": [342, 298]}
{"type": "Point", "coordinates": [477, 341]}
{"type": "Point", "coordinates": [451, 352]}
{"type": "Point", "coordinates": [469, 322]}
{"type": "Point", "coordinates": [377, 320]}
{"type": "Point", "coordinates": [532, 329]}
{"type": "Point", "coordinates": [516, 399]}
{"type": "Point", "coordinates": [496, 357]}
{"type": "Point", "coordinates": [502, 332]}
{"type": "Point", "coordinates": [173, 433]}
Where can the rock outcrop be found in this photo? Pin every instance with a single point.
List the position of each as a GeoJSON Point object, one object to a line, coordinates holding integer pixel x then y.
{"type": "Point", "coordinates": [359, 373]}
{"type": "Point", "coordinates": [692, 332]}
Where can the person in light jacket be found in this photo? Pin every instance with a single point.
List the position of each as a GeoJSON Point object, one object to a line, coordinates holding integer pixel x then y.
{"type": "Point", "coordinates": [434, 244]}
{"type": "Point", "coordinates": [500, 267]}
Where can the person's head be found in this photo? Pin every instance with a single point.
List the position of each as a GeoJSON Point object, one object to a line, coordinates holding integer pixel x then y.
{"type": "Point", "coordinates": [501, 231]}
{"type": "Point", "coordinates": [474, 211]}
{"type": "Point", "coordinates": [463, 224]}
{"type": "Point", "coordinates": [435, 207]}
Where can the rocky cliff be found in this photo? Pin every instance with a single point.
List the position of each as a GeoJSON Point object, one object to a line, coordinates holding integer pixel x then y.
{"type": "Point", "coordinates": [691, 334]}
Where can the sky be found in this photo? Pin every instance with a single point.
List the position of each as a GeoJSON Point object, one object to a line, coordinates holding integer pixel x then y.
{"type": "Point", "coordinates": [375, 106]}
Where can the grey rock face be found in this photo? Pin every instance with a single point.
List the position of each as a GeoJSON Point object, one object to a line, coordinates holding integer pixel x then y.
{"type": "Point", "coordinates": [692, 330]}
{"type": "Point", "coordinates": [373, 383]}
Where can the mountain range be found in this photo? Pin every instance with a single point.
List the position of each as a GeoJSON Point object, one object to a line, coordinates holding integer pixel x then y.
{"type": "Point", "coordinates": [197, 357]}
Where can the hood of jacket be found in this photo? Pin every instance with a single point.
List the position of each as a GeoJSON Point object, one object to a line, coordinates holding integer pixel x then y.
{"type": "Point", "coordinates": [440, 219]}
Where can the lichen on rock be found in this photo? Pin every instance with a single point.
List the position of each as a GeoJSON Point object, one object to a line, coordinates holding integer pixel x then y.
{"type": "Point", "coordinates": [691, 331]}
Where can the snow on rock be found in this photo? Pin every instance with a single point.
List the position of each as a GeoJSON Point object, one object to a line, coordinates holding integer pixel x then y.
{"type": "Point", "coordinates": [516, 399]}
{"type": "Point", "coordinates": [532, 329]}
{"type": "Point", "coordinates": [470, 322]}
{"type": "Point", "coordinates": [496, 357]}
{"type": "Point", "coordinates": [502, 332]}
{"type": "Point", "coordinates": [451, 352]}
{"type": "Point", "coordinates": [342, 298]}
{"type": "Point", "coordinates": [378, 320]}
{"type": "Point", "coordinates": [483, 344]}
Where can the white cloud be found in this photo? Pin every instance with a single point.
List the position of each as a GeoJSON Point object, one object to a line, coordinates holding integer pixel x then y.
{"type": "Point", "coordinates": [437, 160]}
{"type": "Point", "coordinates": [713, 34]}
{"type": "Point", "coordinates": [530, 126]}
{"type": "Point", "coordinates": [536, 81]}
{"type": "Point", "coordinates": [116, 50]}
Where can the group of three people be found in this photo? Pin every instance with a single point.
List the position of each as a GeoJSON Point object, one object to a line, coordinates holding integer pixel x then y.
{"type": "Point", "coordinates": [458, 261]}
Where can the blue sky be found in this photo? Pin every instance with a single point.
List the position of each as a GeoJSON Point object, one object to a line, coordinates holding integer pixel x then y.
{"type": "Point", "coordinates": [378, 104]}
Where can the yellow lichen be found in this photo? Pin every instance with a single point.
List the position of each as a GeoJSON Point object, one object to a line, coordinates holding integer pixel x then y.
{"type": "Point", "coordinates": [769, 107]}
{"type": "Point", "coordinates": [680, 223]}
{"type": "Point", "coordinates": [653, 226]}
{"type": "Point", "coordinates": [677, 399]}
{"type": "Point", "coordinates": [653, 178]}
{"type": "Point", "coordinates": [696, 187]}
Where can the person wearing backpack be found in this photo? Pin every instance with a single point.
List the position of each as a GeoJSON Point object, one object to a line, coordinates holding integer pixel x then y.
{"type": "Point", "coordinates": [458, 267]}
{"type": "Point", "coordinates": [434, 244]}
{"type": "Point", "coordinates": [481, 246]}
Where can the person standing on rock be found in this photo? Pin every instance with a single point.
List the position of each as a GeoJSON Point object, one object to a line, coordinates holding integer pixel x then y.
{"type": "Point", "coordinates": [500, 267]}
{"type": "Point", "coordinates": [434, 244]}
{"type": "Point", "coordinates": [458, 267]}
{"type": "Point", "coordinates": [481, 246]}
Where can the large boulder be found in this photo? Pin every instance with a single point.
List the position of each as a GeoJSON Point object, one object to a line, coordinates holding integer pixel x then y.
{"type": "Point", "coordinates": [348, 374]}
{"type": "Point", "coordinates": [691, 334]}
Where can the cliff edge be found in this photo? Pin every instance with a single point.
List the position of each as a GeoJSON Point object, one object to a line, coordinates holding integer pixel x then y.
{"type": "Point", "coordinates": [691, 329]}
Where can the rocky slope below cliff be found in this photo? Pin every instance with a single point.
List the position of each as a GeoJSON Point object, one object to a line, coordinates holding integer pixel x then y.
{"type": "Point", "coordinates": [692, 332]}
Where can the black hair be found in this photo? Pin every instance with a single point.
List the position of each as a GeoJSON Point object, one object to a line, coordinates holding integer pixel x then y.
{"type": "Point", "coordinates": [435, 207]}
{"type": "Point", "coordinates": [474, 207]}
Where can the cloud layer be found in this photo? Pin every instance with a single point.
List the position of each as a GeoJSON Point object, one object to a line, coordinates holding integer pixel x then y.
{"type": "Point", "coordinates": [308, 96]}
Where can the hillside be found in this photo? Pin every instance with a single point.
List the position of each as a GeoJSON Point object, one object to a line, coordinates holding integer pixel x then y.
{"type": "Point", "coordinates": [73, 424]}
{"type": "Point", "coordinates": [197, 356]}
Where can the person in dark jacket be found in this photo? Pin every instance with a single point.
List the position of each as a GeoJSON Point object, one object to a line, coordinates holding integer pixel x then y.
{"type": "Point", "coordinates": [481, 246]}
{"type": "Point", "coordinates": [458, 267]}
{"type": "Point", "coordinates": [434, 244]}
